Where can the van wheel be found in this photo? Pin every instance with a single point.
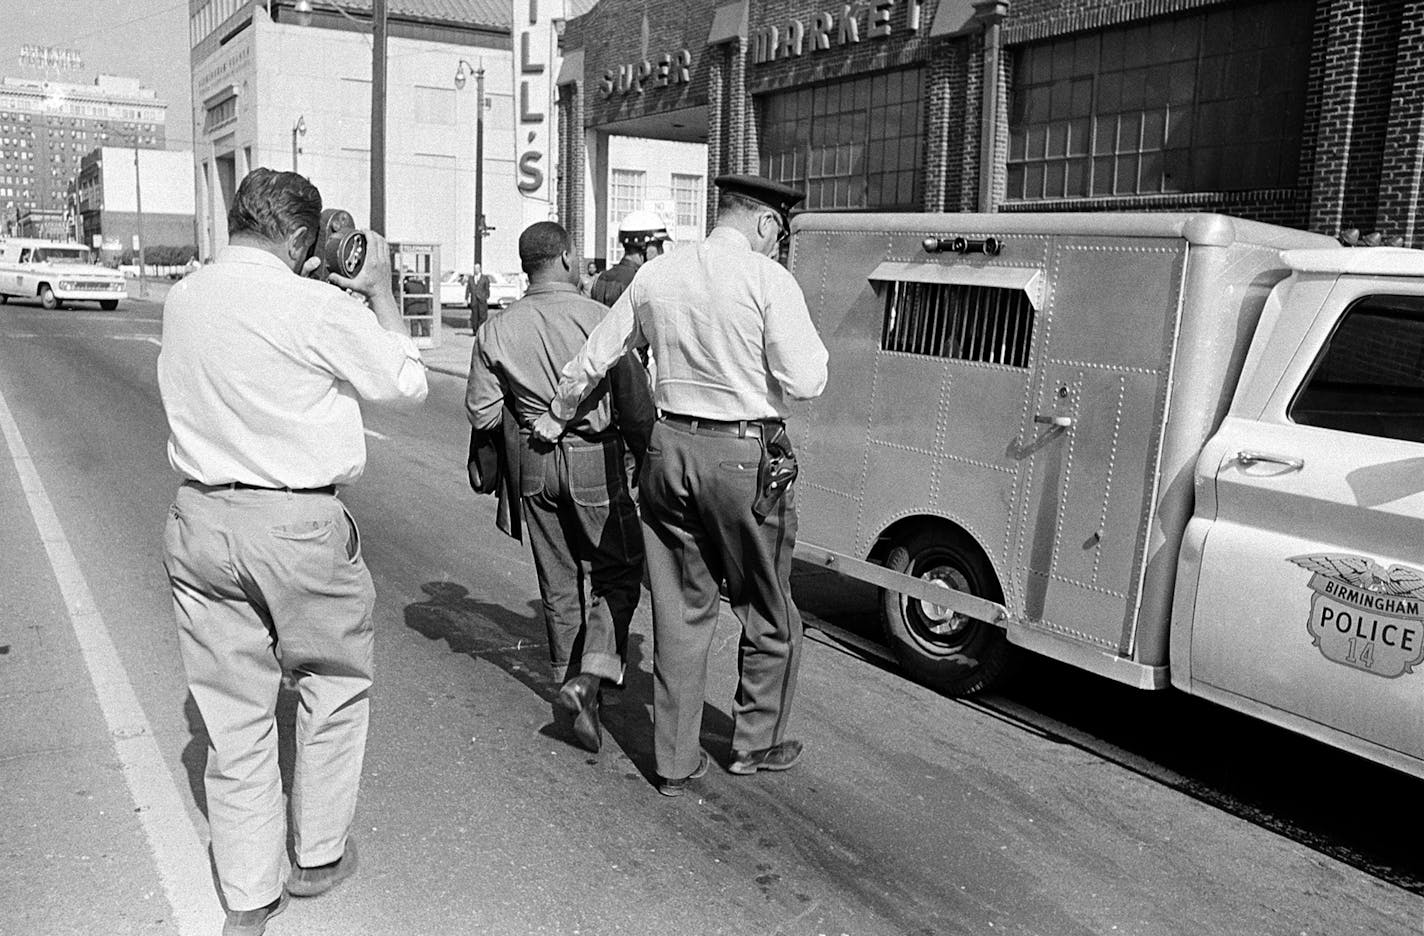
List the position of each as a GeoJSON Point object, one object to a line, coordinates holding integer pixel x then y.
{"type": "Point", "coordinates": [955, 654]}
{"type": "Point", "coordinates": [47, 297]}
{"type": "Point", "coordinates": [108, 305]}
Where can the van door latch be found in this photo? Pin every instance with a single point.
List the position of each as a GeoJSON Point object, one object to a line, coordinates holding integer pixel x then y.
{"type": "Point", "coordinates": [1252, 458]}
{"type": "Point", "coordinates": [1057, 422]}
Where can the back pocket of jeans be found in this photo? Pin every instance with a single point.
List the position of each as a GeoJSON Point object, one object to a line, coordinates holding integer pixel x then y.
{"type": "Point", "coordinates": [595, 470]}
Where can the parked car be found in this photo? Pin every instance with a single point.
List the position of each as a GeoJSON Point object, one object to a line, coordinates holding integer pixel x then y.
{"type": "Point", "coordinates": [452, 289]}
{"type": "Point", "coordinates": [504, 289]}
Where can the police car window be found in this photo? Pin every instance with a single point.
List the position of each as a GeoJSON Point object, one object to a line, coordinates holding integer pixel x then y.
{"type": "Point", "coordinates": [1369, 378]}
{"type": "Point", "coordinates": [25, 255]}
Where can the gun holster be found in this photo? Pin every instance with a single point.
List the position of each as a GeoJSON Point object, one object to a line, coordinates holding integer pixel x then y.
{"type": "Point", "coordinates": [776, 471]}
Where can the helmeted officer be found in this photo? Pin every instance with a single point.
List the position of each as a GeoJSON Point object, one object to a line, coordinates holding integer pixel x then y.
{"type": "Point", "coordinates": [642, 234]}
{"type": "Point", "coordinates": [733, 342]}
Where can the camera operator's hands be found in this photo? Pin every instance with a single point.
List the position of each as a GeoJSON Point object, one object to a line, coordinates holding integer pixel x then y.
{"type": "Point", "coordinates": [375, 274]}
{"type": "Point", "coordinates": [374, 282]}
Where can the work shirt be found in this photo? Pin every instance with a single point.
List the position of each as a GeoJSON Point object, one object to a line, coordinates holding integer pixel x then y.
{"type": "Point", "coordinates": [261, 371]}
{"type": "Point", "coordinates": [729, 331]}
{"type": "Point", "coordinates": [525, 347]}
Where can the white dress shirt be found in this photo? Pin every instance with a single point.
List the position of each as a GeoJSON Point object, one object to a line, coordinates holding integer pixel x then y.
{"type": "Point", "coordinates": [729, 331]}
{"type": "Point", "coordinates": [261, 370]}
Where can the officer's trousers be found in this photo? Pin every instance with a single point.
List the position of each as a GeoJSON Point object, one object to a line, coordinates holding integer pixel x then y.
{"type": "Point", "coordinates": [266, 583]}
{"type": "Point", "coordinates": [588, 554]}
{"type": "Point", "coordinates": [696, 498]}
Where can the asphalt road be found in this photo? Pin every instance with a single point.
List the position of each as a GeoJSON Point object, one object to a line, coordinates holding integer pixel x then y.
{"type": "Point", "coordinates": [1066, 806]}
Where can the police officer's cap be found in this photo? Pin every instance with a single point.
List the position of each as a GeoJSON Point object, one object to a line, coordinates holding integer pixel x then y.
{"type": "Point", "coordinates": [775, 195]}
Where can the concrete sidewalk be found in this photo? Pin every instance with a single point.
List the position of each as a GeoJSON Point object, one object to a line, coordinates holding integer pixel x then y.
{"type": "Point", "coordinates": [456, 343]}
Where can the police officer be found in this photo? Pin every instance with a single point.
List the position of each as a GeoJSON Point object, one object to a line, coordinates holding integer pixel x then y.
{"type": "Point", "coordinates": [579, 517]}
{"type": "Point", "coordinates": [732, 341]}
{"type": "Point", "coordinates": [642, 234]}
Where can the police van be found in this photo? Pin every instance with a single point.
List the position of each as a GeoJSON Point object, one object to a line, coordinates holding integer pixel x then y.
{"type": "Point", "coordinates": [55, 273]}
{"type": "Point", "coordinates": [1175, 450]}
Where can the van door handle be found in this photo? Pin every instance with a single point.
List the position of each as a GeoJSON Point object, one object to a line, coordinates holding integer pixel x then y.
{"type": "Point", "coordinates": [1252, 458]}
{"type": "Point", "coordinates": [1057, 422]}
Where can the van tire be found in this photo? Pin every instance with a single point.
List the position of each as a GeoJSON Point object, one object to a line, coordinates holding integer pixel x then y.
{"type": "Point", "coordinates": [975, 653]}
{"type": "Point", "coordinates": [108, 305]}
{"type": "Point", "coordinates": [47, 297]}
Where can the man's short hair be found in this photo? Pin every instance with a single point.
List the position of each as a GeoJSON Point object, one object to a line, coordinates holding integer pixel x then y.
{"type": "Point", "coordinates": [541, 242]}
{"type": "Point", "coordinates": [272, 205]}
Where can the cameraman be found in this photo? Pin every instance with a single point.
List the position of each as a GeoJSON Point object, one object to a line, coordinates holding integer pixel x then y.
{"type": "Point", "coordinates": [260, 374]}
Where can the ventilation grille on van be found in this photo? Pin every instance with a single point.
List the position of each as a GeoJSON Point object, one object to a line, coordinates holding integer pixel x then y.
{"type": "Point", "coordinates": [968, 323]}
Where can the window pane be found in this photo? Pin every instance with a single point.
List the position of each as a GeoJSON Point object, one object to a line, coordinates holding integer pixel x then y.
{"type": "Point", "coordinates": [1368, 379]}
{"type": "Point", "coordinates": [841, 152]}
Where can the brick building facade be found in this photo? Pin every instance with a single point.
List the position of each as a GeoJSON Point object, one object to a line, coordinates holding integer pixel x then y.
{"type": "Point", "coordinates": [1308, 113]}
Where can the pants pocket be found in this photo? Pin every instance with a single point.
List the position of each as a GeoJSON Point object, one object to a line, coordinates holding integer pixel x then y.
{"type": "Point", "coordinates": [595, 472]}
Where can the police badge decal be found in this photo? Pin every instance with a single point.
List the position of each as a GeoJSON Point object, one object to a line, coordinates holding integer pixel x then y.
{"type": "Point", "coordinates": [1365, 616]}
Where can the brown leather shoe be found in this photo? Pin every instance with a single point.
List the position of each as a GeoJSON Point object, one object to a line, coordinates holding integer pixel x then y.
{"type": "Point", "coordinates": [309, 882]}
{"type": "Point", "coordinates": [781, 756]}
{"type": "Point", "coordinates": [580, 696]}
{"type": "Point", "coordinates": [253, 922]}
{"type": "Point", "coordinates": [676, 787]}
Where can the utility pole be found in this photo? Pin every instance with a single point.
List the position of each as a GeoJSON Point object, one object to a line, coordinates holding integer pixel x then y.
{"type": "Point", "coordinates": [299, 128]}
{"type": "Point", "coordinates": [480, 166]}
{"type": "Point", "coordinates": [138, 204]}
{"type": "Point", "coordinates": [464, 69]}
{"type": "Point", "coordinates": [378, 118]}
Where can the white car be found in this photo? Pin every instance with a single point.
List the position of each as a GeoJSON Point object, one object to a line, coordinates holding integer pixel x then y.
{"type": "Point", "coordinates": [56, 272]}
{"type": "Point", "coordinates": [452, 290]}
{"type": "Point", "coordinates": [504, 289]}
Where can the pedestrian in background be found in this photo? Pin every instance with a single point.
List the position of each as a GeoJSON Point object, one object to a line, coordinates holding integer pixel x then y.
{"type": "Point", "coordinates": [732, 341]}
{"type": "Point", "coordinates": [590, 274]}
{"type": "Point", "coordinates": [582, 527]}
{"type": "Point", "coordinates": [477, 295]}
{"type": "Point", "coordinates": [260, 374]}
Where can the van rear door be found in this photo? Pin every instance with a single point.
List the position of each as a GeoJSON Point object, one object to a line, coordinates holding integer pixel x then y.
{"type": "Point", "coordinates": [1309, 608]}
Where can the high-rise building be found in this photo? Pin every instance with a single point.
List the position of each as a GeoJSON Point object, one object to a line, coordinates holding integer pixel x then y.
{"type": "Point", "coordinates": [46, 127]}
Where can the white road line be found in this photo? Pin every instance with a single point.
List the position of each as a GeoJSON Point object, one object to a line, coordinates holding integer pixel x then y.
{"type": "Point", "coordinates": [376, 435]}
{"type": "Point", "coordinates": [151, 339]}
{"type": "Point", "coordinates": [181, 857]}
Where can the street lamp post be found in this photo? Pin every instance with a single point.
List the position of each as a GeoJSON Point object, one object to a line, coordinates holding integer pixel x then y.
{"type": "Point", "coordinates": [303, 10]}
{"type": "Point", "coordinates": [298, 129]}
{"type": "Point", "coordinates": [461, 76]}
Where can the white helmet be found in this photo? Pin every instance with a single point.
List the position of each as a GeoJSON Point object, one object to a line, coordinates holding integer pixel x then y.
{"type": "Point", "coordinates": [640, 228]}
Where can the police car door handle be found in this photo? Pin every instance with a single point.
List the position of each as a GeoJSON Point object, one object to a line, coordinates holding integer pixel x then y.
{"type": "Point", "coordinates": [1057, 422]}
{"type": "Point", "coordinates": [1252, 458]}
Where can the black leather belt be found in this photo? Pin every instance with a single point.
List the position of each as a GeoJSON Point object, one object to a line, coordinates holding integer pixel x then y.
{"type": "Point", "coordinates": [243, 486]}
{"type": "Point", "coordinates": [741, 428]}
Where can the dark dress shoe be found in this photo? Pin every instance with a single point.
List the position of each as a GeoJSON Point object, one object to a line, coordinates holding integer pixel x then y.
{"type": "Point", "coordinates": [253, 922]}
{"type": "Point", "coordinates": [781, 756]}
{"type": "Point", "coordinates": [676, 787]}
{"type": "Point", "coordinates": [580, 696]}
{"type": "Point", "coordinates": [309, 882]}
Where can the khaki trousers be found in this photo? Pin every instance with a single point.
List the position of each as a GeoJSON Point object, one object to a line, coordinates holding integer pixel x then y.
{"type": "Point", "coordinates": [266, 583]}
{"type": "Point", "coordinates": [696, 499]}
